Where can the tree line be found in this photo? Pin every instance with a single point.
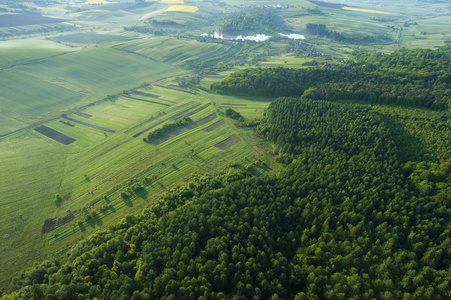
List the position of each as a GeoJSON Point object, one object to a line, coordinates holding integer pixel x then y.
{"type": "Point", "coordinates": [419, 77]}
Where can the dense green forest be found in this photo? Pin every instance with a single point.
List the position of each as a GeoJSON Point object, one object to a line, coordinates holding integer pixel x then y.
{"type": "Point", "coordinates": [419, 77]}
{"type": "Point", "coordinates": [360, 211]}
{"type": "Point", "coordinates": [342, 221]}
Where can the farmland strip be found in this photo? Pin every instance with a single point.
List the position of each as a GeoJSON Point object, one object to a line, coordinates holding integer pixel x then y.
{"type": "Point", "coordinates": [156, 117]}
{"type": "Point", "coordinates": [201, 53]}
{"type": "Point", "coordinates": [228, 142]}
{"type": "Point", "coordinates": [84, 115]}
{"type": "Point", "coordinates": [146, 101]}
{"type": "Point", "coordinates": [182, 113]}
{"type": "Point", "coordinates": [172, 57]}
{"type": "Point", "coordinates": [214, 126]}
{"type": "Point", "coordinates": [184, 129]}
{"type": "Point", "coordinates": [146, 94]}
{"type": "Point", "coordinates": [240, 107]}
{"type": "Point", "coordinates": [175, 89]}
{"type": "Point", "coordinates": [89, 125]}
{"type": "Point", "coordinates": [55, 135]}
{"type": "Point", "coordinates": [159, 44]}
{"type": "Point", "coordinates": [184, 57]}
{"type": "Point", "coordinates": [198, 110]}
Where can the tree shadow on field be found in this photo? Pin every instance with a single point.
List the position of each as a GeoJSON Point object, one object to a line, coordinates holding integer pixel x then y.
{"type": "Point", "coordinates": [128, 202]}
{"type": "Point", "coordinates": [82, 227]}
{"type": "Point", "coordinates": [96, 221]}
{"type": "Point", "coordinates": [142, 194]}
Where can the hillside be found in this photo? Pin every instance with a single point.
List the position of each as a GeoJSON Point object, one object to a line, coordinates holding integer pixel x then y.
{"type": "Point", "coordinates": [166, 112]}
{"type": "Point", "coordinates": [355, 214]}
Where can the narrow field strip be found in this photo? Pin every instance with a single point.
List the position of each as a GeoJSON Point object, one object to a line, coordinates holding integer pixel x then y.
{"type": "Point", "coordinates": [68, 124]}
{"type": "Point", "coordinates": [201, 53]}
{"type": "Point", "coordinates": [184, 129]}
{"type": "Point", "coordinates": [155, 118]}
{"type": "Point", "coordinates": [149, 128]}
{"type": "Point", "coordinates": [182, 113]}
{"type": "Point", "coordinates": [133, 98]}
{"type": "Point", "coordinates": [84, 115]}
{"type": "Point", "coordinates": [172, 57]}
{"type": "Point", "coordinates": [240, 107]}
{"type": "Point", "coordinates": [89, 125]}
{"type": "Point", "coordinates": [175, 89]}
{"type": "Point", "coordinates": [198, 110]}
{"type": "Point", "coordinates": [231, 104]}
{"type": "Point", "coordinates": [214, 126]}
{"type": "Point", "coordinates": [228, 142]}
{"type": "Point", "coordinates": [174, 117]}
{"type": "Point", "coordinates": [55, 135]}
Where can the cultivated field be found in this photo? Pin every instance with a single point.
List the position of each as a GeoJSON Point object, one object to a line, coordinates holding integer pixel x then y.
{"type": "Point", "coordinates": [50, 86]}
{"type": "Point", "coordinates": [100, 163]}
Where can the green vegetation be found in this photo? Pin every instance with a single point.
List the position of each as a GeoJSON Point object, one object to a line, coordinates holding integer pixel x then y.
{"type": "Point", "coordinates": [183, 121]}
{"type": "Point", "coordinates": [233, 114]}
{"type": "Point", "coordinates": [341, 192]}
{"type": "Point", "coordinates": [341, 221]}
{"type": "Point", "coordinates": [56, 89]}
{"type": "Point", "coordinates": [416, 78]}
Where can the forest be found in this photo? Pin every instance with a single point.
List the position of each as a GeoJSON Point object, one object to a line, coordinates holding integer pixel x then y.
{"type": "Point", "coordinates": [361, 209]}
{"type": "Point", "coordinates": [419, 77]}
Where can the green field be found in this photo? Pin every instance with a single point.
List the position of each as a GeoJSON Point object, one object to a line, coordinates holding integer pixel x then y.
{"type": "Point", "coordinates": [48, 87]}
{"type": "Point", "coordinates": [101, 164]}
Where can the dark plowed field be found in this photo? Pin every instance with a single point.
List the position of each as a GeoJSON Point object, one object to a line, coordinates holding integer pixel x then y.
{"type": "Point", "coordinates": [228, 142]}
{"type": "Point", "coordinates": [55, 135]}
